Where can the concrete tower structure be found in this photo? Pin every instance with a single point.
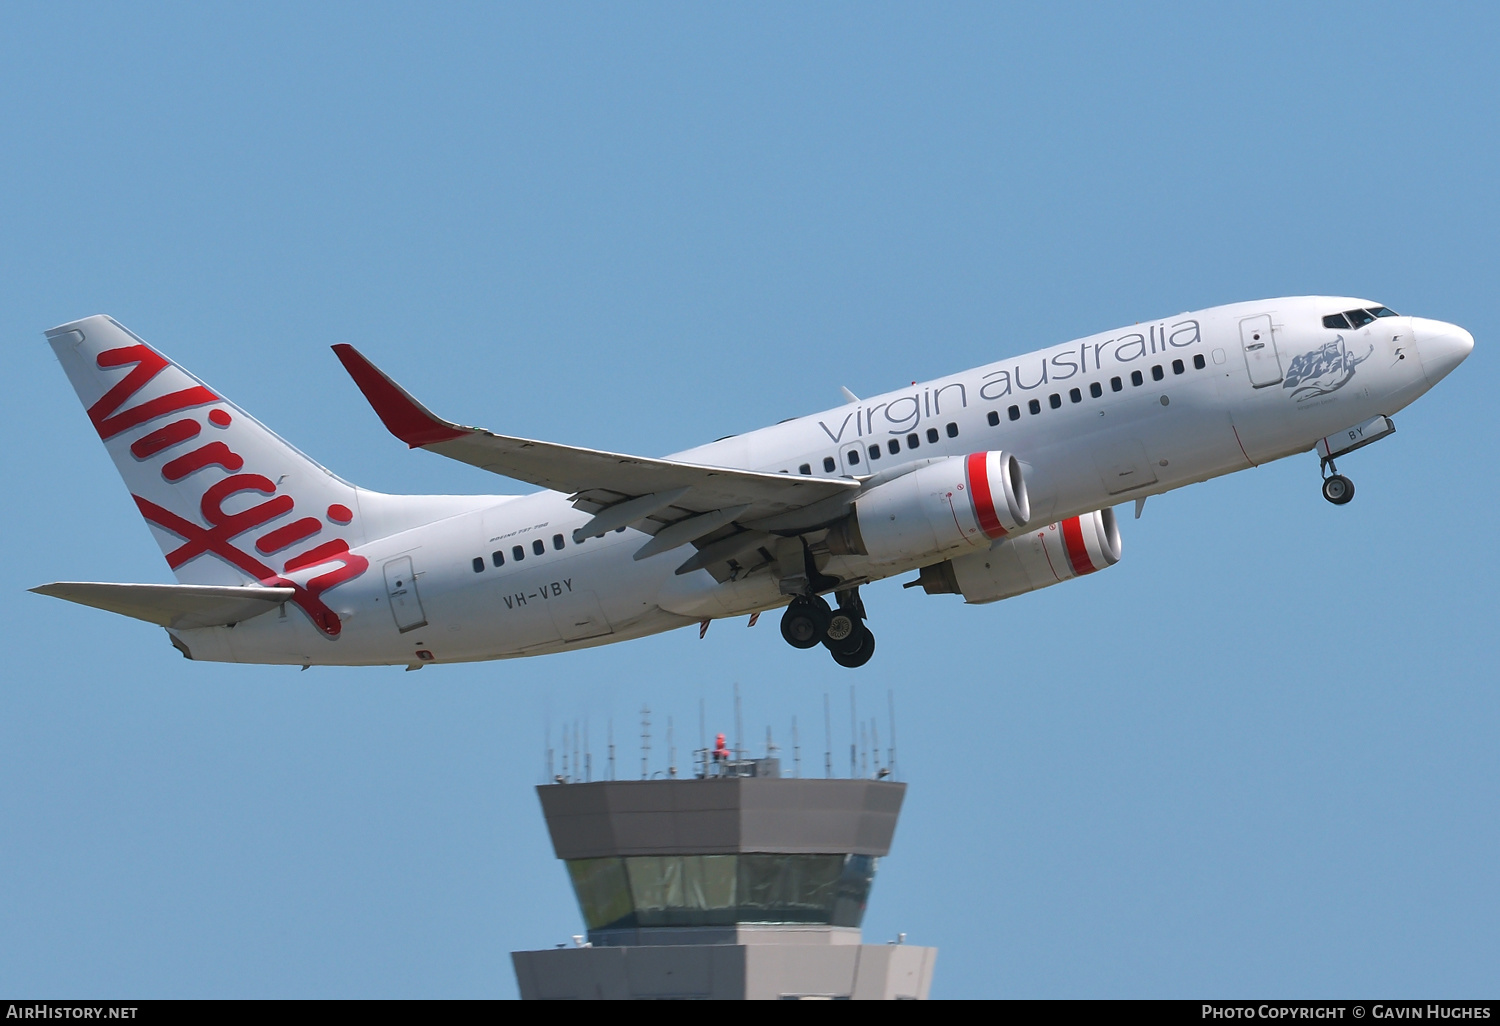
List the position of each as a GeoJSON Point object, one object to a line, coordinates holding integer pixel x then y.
{"type": "Point", "coordinates": [733, 884]}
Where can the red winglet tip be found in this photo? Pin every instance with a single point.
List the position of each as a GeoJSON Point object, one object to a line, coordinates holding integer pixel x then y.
{"type": "Point", "coordinates": [402, 415]}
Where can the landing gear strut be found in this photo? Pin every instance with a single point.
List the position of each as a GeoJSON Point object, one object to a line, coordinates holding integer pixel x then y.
{"type": "Point", "coordinates": [1337, 488]}
{"type": "Point", "coordinates": [809, 622]}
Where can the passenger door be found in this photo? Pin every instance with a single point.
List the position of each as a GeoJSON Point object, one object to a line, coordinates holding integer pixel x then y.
{"type": "Point", "coordinates": [1262, 361]}
{"type": "Point", "coordinates": [401, 591]}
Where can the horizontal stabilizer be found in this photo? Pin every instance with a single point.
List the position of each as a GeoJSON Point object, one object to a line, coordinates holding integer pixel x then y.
{"type": "Point", "coordinates": [172, 605]}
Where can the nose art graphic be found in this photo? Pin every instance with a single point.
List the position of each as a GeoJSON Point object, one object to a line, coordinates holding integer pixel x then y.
{"type": "Point", "coordinates": [1326, 369]}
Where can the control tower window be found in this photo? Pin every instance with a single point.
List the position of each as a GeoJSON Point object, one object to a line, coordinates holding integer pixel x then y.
{"type": "Point", "coordinates": [722, 890]}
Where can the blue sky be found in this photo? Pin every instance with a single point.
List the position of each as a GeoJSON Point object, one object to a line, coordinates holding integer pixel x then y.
{"type": "Point", "coordinates": [1255, 758]}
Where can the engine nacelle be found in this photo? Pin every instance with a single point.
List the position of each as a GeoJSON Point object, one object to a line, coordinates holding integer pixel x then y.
{"type": "Point", "coordinates": [1030, 560]}
{"type": "Point", "coordinates": [962, 501]}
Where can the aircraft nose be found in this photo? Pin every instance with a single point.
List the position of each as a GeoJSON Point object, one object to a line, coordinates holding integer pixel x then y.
{"type": "Point", "coordinates": [1441, 346]}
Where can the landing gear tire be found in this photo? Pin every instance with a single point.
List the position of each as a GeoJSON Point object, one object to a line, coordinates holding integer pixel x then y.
{"type": "Point", "coordinates": [842, 624]}
{"type": "Point", "coordinates": [1338, 489]}
{"type": "Point", "coordinates": [855, 650]}
{"type": "Point", "coordinates": [805, 622]}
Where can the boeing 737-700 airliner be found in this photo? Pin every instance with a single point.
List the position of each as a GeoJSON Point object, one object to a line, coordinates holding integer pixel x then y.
{"type": "Point", "coordinates": [988, 483]}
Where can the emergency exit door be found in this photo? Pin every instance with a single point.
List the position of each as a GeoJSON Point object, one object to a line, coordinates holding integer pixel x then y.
{"type": "Point", "coordinates": [401, 590]}
{"type": "Point", "coordinates": [1262, 360]}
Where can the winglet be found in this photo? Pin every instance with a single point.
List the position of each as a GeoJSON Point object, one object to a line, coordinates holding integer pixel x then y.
{"type": "Point", "coordinates": [402, 415]}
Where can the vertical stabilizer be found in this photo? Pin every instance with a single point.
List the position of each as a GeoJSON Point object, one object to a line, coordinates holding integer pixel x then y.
{"type": "Point", "coordinates": [228, 501]}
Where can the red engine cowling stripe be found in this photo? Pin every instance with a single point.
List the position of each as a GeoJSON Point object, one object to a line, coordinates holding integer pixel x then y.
{"type": "Point", "coordinates": [979, 493]}
{"type": "Point", "coordinates": [1078, 551]}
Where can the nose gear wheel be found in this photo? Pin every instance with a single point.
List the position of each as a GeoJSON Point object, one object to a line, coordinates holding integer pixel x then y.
{"type": "Point", "coordinates": [1337, 488]}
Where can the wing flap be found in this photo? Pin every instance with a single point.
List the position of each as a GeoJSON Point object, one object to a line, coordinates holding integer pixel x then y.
{"type": "Point", "coordinates": [182, 606]}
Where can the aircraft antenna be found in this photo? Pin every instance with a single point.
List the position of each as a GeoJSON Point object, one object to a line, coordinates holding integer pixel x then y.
{"type": "Point", "coordinates": [645, 741]}
{"type": "Point", "coordinates": [827, 739]}
{"type": "Point", "coordinates": [890, 697]}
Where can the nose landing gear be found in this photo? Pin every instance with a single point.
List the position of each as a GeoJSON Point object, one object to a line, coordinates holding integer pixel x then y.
{"type": "Point", "coordinates": [1337, 488]}
{"type": "Point", "coordinates": [809, 622]}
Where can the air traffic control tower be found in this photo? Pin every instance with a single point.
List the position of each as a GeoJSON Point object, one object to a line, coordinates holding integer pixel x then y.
{"type": "Point", "coordinates": [735, 883]}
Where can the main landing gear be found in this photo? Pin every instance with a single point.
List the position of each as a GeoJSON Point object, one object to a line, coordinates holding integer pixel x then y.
{"type": "Point", "coordinates": [1337, 488]}
{"type": "Point", "coordinates": [809, 622]}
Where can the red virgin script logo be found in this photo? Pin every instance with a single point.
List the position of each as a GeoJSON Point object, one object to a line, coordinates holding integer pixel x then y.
{"type": "Point", "coordinates": [220, 529]}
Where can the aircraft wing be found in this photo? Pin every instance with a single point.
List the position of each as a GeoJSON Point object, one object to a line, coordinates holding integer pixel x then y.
{"type": "Point", "coordinates": [652, 494]}
{"type": "Point", "coordinates": [172, 605]}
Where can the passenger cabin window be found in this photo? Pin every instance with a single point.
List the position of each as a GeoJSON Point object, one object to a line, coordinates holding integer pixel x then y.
{"type": "Point", "coordinates": [478, 564]}
{"type": "Point", "coordinates": [1055, 401]}
{"type": "Point", "coordinates": [1359, 318]}
{"type": "Point", "coordinates": [1199, 362]}
{"type": "Point", "coordinates": [517, 553]}
{"type": "Point", "coordinates": [1034, 406]}
{"type": "Point", "coordinates": [1014, 413]}
{"type": "Point", "coordinates": [497, 557]}
{"type": "Point", "coordinates": [874, 452]}
{"type": "Point", "coordinates": [829, 464]}
{"type": "Point", "coordinates": [912, 441]}
{"type": "Point", "coordinates": [1178, 367]}
{"type": "Point", "coordinates": [1115, 385]}
{"type": "Point", "coordinates": [1136, 377]}
{"type": "Point", "coordinates": [1075, 396]}
{"type": "Point", "coordinates": [557, 542]}
{"type": "Point", "coordinates": [1096, 390]}
{"type": "Point", "coordinates": [806, 468]}
{"type": "Point", "coordinates": [1335, 321]}
{"type": "Point", "coordinates": [952, 429]}
{"type": "Point", "coordinates": [538, 547]}
{"type": "Point", "coordinates": [853, 457]}
{"type": "Point", "coordinates": [1157, 373]}
{"type": "Point", "coordinates": [994, 418]}
{"type": "Point", "coordinates": [894, 445]}
{"type": "Point", "coordinates": [932, 436]}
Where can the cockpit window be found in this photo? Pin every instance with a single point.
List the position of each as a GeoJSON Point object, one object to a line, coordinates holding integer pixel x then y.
{"type": "Point", "coordinates": [1357, 318]}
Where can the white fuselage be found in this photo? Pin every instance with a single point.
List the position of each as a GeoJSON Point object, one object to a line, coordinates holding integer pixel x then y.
{"type": "Point", "coordinates": [1196, 413]}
